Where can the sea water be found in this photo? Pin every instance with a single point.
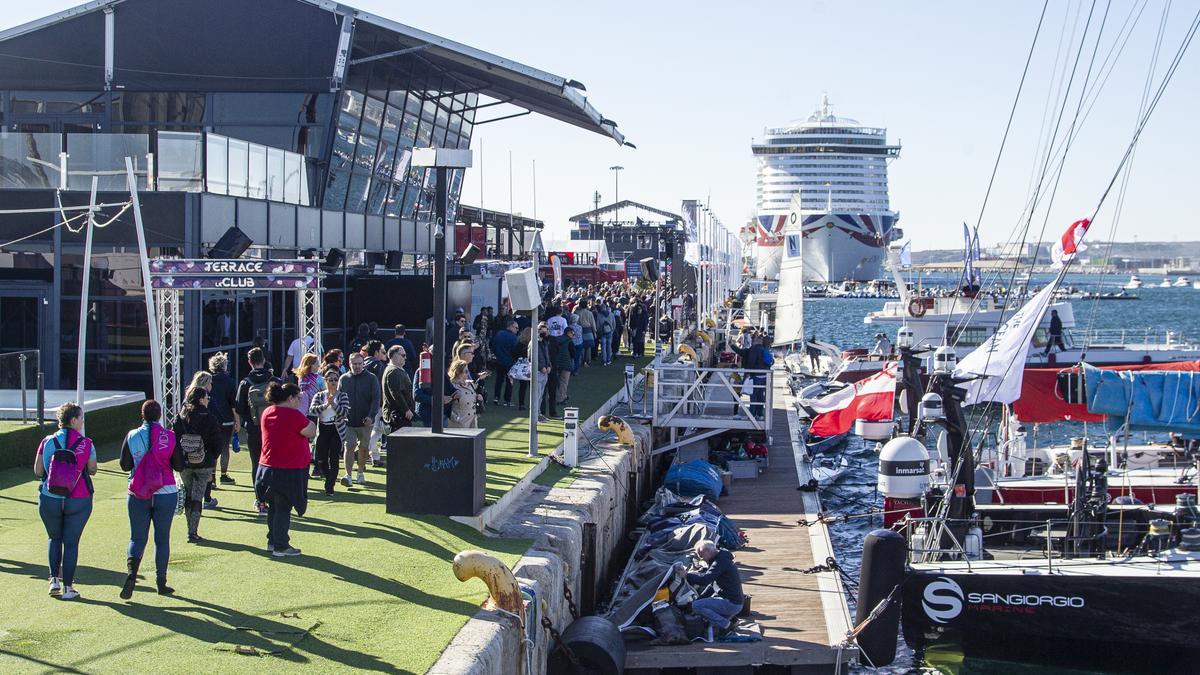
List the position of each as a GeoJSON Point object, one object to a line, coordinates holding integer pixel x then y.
{"type": "Point", "coordinates": [839, 320]}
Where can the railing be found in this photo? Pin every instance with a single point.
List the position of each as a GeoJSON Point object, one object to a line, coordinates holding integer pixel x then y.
{"type": "Point", "coordinates": [21, 374]}
{"type": "Point", "coordinates": [1122, 337]}
{"type": "Point", "coordinates": [712, 398]}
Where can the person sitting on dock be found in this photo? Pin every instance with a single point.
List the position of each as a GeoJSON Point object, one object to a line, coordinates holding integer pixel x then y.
{"type": "Point", "coordinates": [722, 574]}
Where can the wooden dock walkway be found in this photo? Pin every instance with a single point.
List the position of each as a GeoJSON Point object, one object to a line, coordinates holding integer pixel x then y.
{"type": "Point", "coordinates": [803, 616]}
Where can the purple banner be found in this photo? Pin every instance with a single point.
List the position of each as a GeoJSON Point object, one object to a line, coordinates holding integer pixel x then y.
{"type": "Point", "coordinates": [241, 267]}
{"type": "Point", "coordinates": [234, 282]}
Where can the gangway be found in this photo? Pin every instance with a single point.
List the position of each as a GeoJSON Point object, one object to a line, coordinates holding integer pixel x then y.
{"type": "Point", "coordinates": [696, 403]}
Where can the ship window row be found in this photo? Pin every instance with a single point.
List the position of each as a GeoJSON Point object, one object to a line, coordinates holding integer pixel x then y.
{"type": "Point", "coordinates": [858, 131]}
{"type": "Point", "coordinates": [827, 139]}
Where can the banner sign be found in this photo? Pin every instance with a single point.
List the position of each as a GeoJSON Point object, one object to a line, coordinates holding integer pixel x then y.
{"type": "Point", "coordinates": [246, 266]}
{"type": "Point", "coordinates": [234, 282]}
{"type": "Point", "coordinates": [633, 268]}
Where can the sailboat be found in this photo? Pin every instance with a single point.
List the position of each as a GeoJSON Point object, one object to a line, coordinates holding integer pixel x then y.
{"type": "Point", "coordinates": [789, 304]}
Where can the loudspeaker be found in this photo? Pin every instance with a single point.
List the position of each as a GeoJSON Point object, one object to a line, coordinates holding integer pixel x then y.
{"type": "Point", "coordinates": [334, 258]}
{"type": "Point", "coordinates": [524, 291]}
{"type": "Point", "coordinates": [442, 474]}
{"type": "Point", "coordinates": [469, 254]}
{"type": "Point", "coordinates": [232, 244]}
{"type": "Point", "coordinates": [649, 269]}
{"type": "Point", "coordinates": [395, 261]}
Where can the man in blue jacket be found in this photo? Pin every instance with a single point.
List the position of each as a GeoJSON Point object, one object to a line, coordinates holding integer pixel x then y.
{"type": "Point", "coordinates": [726, 600]}
{"type": "Point", "coordinates": [502, 347]}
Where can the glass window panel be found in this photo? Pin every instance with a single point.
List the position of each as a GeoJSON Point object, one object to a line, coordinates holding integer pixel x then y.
{"type": "Point", "coordinates": [159, 107]}
{"type": "Point", "coordinates": [239, 158]}
{"type": "Point", "coordinates": [356, 195]}
{"type": "Point", "coordinates": [293, 172]}
{"type": "Point", "coordinates": [218, 164]}
{"type": "Point", "coordinates": [256, 185]}
{"type": "Point", "coordinates": [24, 157]}
{"type": "Point", "coordinates": [98, 153]}
{"type": "Point", "coordinates": [375, 199]}
{"type": "Point", "coordinates": [58, 102]}
{"type": "Point", "coordinates": [364, 158]}
{"type": "Point", "coordinates": [391, 121]}
{"type": "Point", "coordinates": [305, 193]}
{"type": "Point", "coordinates": [383, 165]}
{"type": "Point", "coordinates": [372, 119]}
{"type": "Point", "coordinates": [179, 161]}
{"type": "Point", "coordinates": [276, 174]}
{"type": "Point", "coordinates": [335, 190]}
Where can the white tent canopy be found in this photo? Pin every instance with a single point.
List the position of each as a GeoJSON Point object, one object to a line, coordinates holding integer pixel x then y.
{"type": "Point", "coordinates": [596, 246]}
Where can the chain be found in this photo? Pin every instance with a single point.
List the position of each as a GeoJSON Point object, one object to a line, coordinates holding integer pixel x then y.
{"type": "Point", "coordinates": [830, 565]}
{"type": "Point", "coordinates": [570, 601]}
{"type": "Point", "coordinates": [554, 635]}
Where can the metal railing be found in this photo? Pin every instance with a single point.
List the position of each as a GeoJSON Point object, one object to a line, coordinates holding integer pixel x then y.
{"type": "Point", "coordinates": [1122, 337]}
{"type": "Point", "coordinates": [21, 372]}
{"type": "Point", "coordinates": [712, 398]}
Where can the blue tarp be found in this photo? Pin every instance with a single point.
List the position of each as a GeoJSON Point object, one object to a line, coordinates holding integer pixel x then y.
{"type": "Point", "coordinates": [696, 477]}
{"type": "Point", "coordinates": [1153, 400]}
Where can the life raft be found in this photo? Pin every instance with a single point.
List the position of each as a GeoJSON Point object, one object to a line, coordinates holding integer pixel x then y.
{"type": "Point", "coordinates": [916, 308]}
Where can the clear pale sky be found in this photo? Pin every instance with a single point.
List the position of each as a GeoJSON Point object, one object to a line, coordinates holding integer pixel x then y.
{"type": "Point", "coordinates": [691, 83]}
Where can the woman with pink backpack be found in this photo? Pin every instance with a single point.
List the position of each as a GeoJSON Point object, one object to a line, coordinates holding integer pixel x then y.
{"type": "Point", "coordinates": [152, 456]}
{"type": "Point", "coordinates": [65, 461]}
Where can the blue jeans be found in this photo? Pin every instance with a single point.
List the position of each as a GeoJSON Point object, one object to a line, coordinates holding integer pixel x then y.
{"type": "Point", "coordinates": [578, 357]}
{"type": "Point", "coordinates": [606, 348]}
{"type": "Point", "coordinates": [716, 611]}
{"type": "Point", "coordinates": [64, 519]}
{"type": "Point", "coordinates": [159, 509]}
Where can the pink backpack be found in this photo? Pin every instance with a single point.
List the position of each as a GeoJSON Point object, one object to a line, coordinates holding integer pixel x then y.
{"type": "Point", "coordinates": [66, 467]}
{"type": "Point", "coordinates": [154, 471]}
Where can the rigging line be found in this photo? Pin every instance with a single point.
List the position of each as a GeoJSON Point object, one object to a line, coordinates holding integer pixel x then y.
{"type": "Point", "coordinates": [1004, 139]}
{"type": "Point", "coordinates": [1112, 232]}
{"type": "Point", "coordinates": [1183, 47]}
{"type": "Point", "coordinates": [1045, 167]}
{"type": "Point", "coordinates": [1051, 95]}
{"type": "Point", "coordinates": [1042, 178]}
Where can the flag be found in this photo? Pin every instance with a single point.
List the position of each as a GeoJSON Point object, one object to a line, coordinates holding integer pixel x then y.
{"type": "Point", "coordinates": [870, 399]}
{"type": "Point", "coordinates": [906, 255]}
{"type": "Point", "coordinates": [556, 265]}
{"type": "Point", "coordinates": [1001, 358]}
{"type": "Point", "coordinates": [1070, 243]}
{"type": "Point", "coordinates": [970, 255]}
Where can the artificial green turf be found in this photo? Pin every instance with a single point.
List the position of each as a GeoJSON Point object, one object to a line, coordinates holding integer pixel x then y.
{"type": "Point", "coordinates": [508, 429]}
{"type": "Point", "coordinates": [372, 590]}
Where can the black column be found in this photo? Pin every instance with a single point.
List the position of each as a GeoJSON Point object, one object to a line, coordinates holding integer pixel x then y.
{"type": "Point", "coordinates": [439, 300]}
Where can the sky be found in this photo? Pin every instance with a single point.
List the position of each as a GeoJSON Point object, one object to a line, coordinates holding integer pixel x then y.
{"type": "Point", "coordinates": [693, 83]}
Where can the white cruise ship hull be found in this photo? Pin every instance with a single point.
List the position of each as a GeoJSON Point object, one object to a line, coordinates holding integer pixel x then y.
{"type": "Point", "coordinates": [845, 247]}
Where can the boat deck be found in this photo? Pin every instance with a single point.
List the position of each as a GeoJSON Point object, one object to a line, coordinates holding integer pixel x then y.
{"type": "Point", "coordinates": [803, 616]}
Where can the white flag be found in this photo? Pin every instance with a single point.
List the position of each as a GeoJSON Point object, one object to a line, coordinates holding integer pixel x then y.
{"type": "Point", "coordinates": [906, 255]}
{"type": "Point", "coordinates": [1002, 356]}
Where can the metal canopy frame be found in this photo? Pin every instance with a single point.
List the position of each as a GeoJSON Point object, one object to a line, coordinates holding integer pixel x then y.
{"type": "Point", "coordinates": [168, 305]}
{"type": "Point", "coordinates": [625, 203]}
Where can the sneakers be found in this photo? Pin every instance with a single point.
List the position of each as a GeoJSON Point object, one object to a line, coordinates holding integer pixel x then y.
{"type": "Point", "coordinates": [211, 503]}
{"type": "Point", "coordinates": [194, 538]}
{"type": "Point", "coordinates": [346, 480]}
{"type": "Point", "coordinates": [361, 479]}
{"type": "Point", "coordinates": [495, 401]}
{"type": "Point", "coordinates": [226, 479]}
{"type": "Point", "coordinates": [285, 552]}
{"type": "Point", "coordinates": [69, 593]}
{"type": "Point", "coordinates": [55, 586]}
{"type": "Point", "coordinates": [329, 493]}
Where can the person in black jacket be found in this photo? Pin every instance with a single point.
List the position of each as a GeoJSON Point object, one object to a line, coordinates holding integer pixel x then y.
{"type": "Point", "coordinates": [198, 433]}
{"type": "Point", "coordinates": [722, 574]}
{"type": "Point", "coordinates": [251, 401]}
{"type": "Point", "coordinates": [222, 401]}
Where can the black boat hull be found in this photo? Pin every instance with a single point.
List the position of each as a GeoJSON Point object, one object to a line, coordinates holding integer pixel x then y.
{"type": "Point", "coordinates": [1142, 623]}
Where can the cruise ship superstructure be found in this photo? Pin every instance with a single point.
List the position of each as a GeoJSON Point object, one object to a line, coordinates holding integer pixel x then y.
{"type": "Point", "coordinates": [839, 168]}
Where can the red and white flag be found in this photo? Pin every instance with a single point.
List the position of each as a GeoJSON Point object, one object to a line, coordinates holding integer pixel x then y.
{"type": "Point", "coordinates": [1070, 243]}
{"type": "Point", "coordinates": [870, 399]}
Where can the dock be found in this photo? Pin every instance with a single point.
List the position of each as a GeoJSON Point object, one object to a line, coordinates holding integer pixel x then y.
{"type": "Point", "coordinates": [804, 617]}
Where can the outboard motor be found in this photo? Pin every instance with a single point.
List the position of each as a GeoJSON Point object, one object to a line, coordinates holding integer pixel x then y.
{"type": "Point", "coordinates": [882, 571]}
{"type": "Point", "coordinates": [903, 477]}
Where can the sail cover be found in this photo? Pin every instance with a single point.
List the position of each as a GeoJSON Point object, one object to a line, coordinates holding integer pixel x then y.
{"type": "Point", "coordinates": [789, 306]}
{"type": "Point", "coordinates": [1150, 400]}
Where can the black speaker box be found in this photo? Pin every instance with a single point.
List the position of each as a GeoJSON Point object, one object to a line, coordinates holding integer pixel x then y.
{"type": "Point", "coordinates": [469, 254]}
{"type": "Point", "coordinates": [232, 244]}
{"type": "Point", "coordinates": [441, 474]}
{"type": "Point", "coordinates": [649, 269]}
{"type": "Point", "coordinates": [334, 258]}
{"type": "Point", "coordinates": [395, 261]}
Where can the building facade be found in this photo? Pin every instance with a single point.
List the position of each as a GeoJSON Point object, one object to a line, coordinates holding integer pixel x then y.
{"type": "Point", "coordinates": [292, 120]}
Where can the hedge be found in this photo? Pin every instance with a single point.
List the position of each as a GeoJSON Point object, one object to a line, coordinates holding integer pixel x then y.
{"type": "Point", "coordinates": [105, 427]}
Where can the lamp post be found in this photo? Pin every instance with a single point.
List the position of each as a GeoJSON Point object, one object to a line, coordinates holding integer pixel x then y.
{"type": "Point", "coordinates": [442, 161]}
{"type": "Point", "coordinates": [617, 169]}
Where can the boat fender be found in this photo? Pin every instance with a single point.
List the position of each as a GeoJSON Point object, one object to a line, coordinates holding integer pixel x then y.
{"type": "Point", "coordinates": [596, 644]}
{"type": "Point", "coordinates": [882, 572]}
{"type": "Point", "coordinates": [916, 308]}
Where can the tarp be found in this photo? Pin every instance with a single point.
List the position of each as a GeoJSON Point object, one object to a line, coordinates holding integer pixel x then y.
{"type": "Point", "coordinates": [1152, 400]}
{"type": "Point", "coordinates": [1041, 401]}
{"type": "Point", "coordinates": [696, 477]}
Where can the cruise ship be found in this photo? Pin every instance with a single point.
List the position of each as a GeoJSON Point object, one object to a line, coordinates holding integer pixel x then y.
{"type": "Point", "coordinates": [839, 167]}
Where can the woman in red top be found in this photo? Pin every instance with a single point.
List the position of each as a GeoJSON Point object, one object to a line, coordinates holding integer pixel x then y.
{"type": "Point", "coordinates": [282, 481]}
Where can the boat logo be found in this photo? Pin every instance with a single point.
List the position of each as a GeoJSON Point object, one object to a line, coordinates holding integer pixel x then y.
{"type": "Point", "coordinates": [942, 599]}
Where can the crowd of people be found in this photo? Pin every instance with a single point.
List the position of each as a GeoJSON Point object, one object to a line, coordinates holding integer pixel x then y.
{"type": "Point", "coordinates": [324, 416]}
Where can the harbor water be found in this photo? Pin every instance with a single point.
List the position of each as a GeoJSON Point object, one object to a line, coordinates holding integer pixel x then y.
{"type": "Point", "coordinates": [839, 320]}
